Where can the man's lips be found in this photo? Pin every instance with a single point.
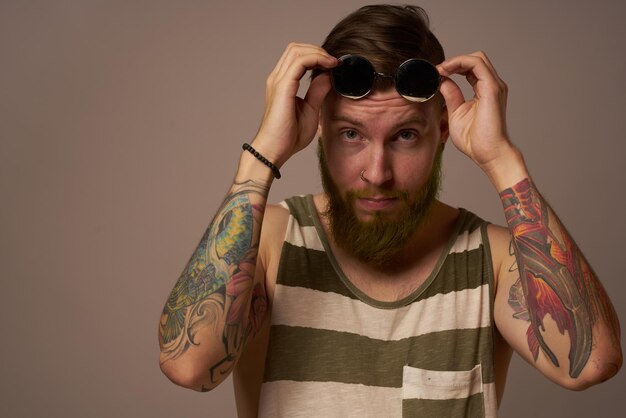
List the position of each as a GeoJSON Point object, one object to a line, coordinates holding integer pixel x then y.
{"type": "Point", "coordinates": [376, 202]}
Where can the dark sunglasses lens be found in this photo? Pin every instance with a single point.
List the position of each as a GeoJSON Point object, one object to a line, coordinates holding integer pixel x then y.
{"type": "Point", "coordinates": [417, 80]}
{"type": "Point", "coordinates": [354, 77]}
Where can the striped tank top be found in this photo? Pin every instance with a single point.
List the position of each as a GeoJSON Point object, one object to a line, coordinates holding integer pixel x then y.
{"type": "Point", "coordinates": [335, 352]}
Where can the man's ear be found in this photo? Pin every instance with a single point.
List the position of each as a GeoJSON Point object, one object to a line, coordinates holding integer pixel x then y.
{"type": "Point", "coordinates": [320, 120]}
{"type": "Point", "coordinates": [444, 129]}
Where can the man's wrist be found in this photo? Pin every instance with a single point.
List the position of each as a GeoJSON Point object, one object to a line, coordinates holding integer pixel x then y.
{"type": "Point", "coordinates": [261, 157]}
{"type": "Point", "coordinates": [266, 148]}
{"type": "Point", "coordinates": [507, 170]}
{"type": "Point", "coordinates": [250, 168]}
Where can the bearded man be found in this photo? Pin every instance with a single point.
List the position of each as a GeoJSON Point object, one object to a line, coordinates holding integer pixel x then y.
{"type": "Point", "coordinates": [374, 298]}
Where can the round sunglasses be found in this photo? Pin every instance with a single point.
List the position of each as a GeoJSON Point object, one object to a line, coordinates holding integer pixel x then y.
{"type": "Point", "coordinates": [415, 79]}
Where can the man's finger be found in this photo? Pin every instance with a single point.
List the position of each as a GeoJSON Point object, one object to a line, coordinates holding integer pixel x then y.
{"type": "Point", "coordinates": [319, 88]}
{"type": "Point", "coordinates": [468, 64]}
{"type": "Point", "coordinates": [305, 55]}
{"type": "Point", "coordinates": [303, 63]}
{"type": "Point", "coordinates": [452, 94]}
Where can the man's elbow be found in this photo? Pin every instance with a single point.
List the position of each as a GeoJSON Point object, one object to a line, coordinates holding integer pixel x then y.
{"type": "Point", "coordinates": [597, 371]}
{"type": "Point", "coordinates": [185, 376]}
{"type": "Point", "coordinates": [607, 369]}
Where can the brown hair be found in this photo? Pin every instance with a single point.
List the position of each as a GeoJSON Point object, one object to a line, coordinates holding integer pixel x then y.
{"type": "Point", "coordinates": [387, 35]}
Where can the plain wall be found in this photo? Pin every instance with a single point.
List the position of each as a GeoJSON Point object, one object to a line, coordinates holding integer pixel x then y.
{"type": "Point", "coordinates": [121, 124]}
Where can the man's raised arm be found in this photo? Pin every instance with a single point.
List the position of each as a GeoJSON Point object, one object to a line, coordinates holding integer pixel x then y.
{"type": "Point", "coordinates": [219, 300]}
{"type": "Point", "coordinates": [549, 306]}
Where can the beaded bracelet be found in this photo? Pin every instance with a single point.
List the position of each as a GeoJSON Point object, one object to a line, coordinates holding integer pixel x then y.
{"type": "Point", "coordinates": [248, 147]}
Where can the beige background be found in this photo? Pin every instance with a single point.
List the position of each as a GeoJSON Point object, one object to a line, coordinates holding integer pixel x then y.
{"type": "Point", "coordinates": [121, 123]}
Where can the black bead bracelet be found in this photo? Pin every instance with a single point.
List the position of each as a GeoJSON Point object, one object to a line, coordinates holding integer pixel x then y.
{"type": "Point", "coordinates": [248, 147]}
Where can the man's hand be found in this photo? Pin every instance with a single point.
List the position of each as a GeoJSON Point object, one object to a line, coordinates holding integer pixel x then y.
{"type": "Point", "coordinates": [478, 126]}
{"type": "Point", "coordinates": [290, 122]}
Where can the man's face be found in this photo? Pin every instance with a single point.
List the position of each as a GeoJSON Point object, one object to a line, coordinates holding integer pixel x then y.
{"type": "Point", "coordinates": [398, 144]}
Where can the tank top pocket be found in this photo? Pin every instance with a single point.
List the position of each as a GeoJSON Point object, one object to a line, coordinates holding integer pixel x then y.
{"type": "Point", "coordinates": [436, 394]}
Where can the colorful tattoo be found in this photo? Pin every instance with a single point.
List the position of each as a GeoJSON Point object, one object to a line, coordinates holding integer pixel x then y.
{"type": "Point", "coordinates": [555, 279]}
{"type": "Point", "coordinates": [216, 286]}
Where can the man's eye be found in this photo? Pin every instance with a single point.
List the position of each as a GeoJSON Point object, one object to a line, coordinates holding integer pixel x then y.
{"type": "Point", "coordinates": [407, 136]}
{"type": "Point", "coordinates": [351, 134]}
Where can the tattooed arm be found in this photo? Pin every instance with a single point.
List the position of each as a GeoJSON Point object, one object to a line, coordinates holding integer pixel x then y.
{"type": "Point", "coordinates": [220, 299]}
{"type": "Point", "coordinates": [218, 302]}
{"type": "Point", "coordinates": [549, 306]}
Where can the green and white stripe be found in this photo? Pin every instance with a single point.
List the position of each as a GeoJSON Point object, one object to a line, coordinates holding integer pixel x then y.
{"type": "Point", "coordinates": [334, 351]}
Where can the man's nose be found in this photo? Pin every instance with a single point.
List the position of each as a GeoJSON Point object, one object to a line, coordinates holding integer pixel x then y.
{"type": "Point", "coordinates": [377, 170]}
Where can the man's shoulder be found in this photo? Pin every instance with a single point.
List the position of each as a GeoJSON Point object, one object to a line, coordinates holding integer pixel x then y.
{"type": "Point", "coordinates": [297, 203]}
{"type": "Point", "coordinates": [303, 208]}
{"type": "Point", "coordinates": [499, 237]}
{"type": "Point", "coordinates": [277, 214]}
{"type": "Point", "coordinates": [502, 254]}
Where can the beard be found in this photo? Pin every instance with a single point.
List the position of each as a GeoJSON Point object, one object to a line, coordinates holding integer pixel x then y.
{"type": "Point", "coordinates": [379, 240]}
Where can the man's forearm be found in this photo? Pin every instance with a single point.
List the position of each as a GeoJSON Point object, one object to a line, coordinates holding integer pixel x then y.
{"type": "Point", "coordinates": [555, 279]}
{"type": "Point", "coordinates": [208, 316]}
